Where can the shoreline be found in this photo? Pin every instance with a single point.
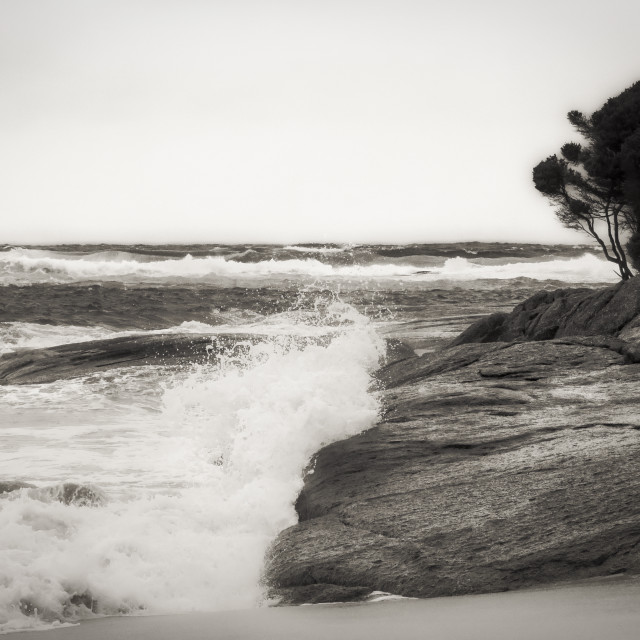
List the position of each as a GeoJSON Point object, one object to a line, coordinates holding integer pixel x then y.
{"type": "Point", "coordinates": [504, 460]}
{"type": "Point", "coordinates": [496, 454]}
{"type": "Point", "coordinates": [585, 610]}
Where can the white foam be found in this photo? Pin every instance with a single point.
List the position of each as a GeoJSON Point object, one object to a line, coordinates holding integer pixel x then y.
{"type": "Point", "coordinates": [29, 335]}
{"type": "Point", "coordinates": [26, 265]}
{"type": "Point", "coordinates": [19, 266]}
{"type": "Point", "coordinates": [228, 446]}
{"type": "Point", "coordinates": [15, 336]}
{"type": "Point", "coordinates": [381, 596]}
{"type": "Point", "coordinates": [586, 268]}
{"type": "Point", "coordinates": [318, 249]}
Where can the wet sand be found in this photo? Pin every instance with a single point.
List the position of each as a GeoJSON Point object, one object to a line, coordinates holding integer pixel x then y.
{"type": "Point", "coordinates": [590, 610]}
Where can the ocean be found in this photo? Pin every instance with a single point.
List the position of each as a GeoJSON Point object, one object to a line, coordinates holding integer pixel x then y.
{"type": "Point", "coordinates": [157, 485]}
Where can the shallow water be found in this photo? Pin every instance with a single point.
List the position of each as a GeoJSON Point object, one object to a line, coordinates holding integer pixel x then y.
{"type": "Point", "coordinates": [591, 610]}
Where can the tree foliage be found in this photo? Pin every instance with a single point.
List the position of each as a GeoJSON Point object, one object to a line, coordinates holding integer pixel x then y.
{"type": "Point", "coordinates": [595, 185]}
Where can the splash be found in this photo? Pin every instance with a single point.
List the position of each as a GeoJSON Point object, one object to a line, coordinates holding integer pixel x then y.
{"type": "Point", "coordinates": [198, 481]}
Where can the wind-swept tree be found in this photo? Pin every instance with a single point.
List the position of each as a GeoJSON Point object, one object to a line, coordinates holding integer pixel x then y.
{"type": "Point", "coordinates": [595, 185]}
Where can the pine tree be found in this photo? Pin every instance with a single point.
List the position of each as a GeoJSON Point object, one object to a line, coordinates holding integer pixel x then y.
{"type": "Point", "coordinates": [595, 185]}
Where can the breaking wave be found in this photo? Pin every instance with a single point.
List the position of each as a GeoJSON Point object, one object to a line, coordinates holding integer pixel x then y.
{"type": "Point", "coordinates": [586, 268]}
{"type": "Point", "coordinates": [22, 266]}
{"type": "Point", "coordinates": [199, 473]}
{"type": "Point", "coordinates": [317, 248]}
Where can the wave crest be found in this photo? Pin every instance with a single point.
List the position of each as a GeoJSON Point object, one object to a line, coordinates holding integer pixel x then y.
{"type": "Point", "coordinates": [227, 444]}
{"type": "Point", "coordinates": [21, 266]}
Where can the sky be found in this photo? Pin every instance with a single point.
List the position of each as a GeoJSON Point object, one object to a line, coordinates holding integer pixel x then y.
{"type": "Point", "coordinates": [230, 121]}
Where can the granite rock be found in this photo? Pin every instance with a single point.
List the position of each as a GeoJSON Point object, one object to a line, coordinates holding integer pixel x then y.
{"type": "Point", "coordinates": [494, 466]}
{"type": "Point", "coordinates": [613, 311]}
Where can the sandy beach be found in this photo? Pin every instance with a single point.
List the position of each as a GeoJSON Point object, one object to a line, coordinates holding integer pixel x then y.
{"type": "Point", "coordinates": [590, 610]}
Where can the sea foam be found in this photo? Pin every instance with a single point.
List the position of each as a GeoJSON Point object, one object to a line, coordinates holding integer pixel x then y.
{"type": "Point", "coordinates": [199, 476]}
{"type": "Point", "coordinates": [31, 335]}
{"type": "Point", "coordinates": [586, 268]}
{"type": "Point", "coordinates": [22, 266]}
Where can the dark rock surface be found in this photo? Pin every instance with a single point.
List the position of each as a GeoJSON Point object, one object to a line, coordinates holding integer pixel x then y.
{"type": "Point", "coordinates": [9, 486]}
{"type": "Point", "coordinates": [83, 495]}
{"type": "Point", "coordinates": [33, 366]}
{"type": "Point", "coordinates": [614, 311]}
{"type": "Point", "coordinates": [319, 593]}
{"type": "Point", "coordinates": [71, 360]}
{"type": "Point", "coordinates": [496, 465]}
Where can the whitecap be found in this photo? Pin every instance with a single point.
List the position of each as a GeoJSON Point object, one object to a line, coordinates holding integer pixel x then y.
{"type": "Point", "coordinates": [200, 471]}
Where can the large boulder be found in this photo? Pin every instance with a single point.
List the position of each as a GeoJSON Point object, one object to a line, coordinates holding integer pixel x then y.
{"type": "Point", "coordinates": [494, 466]}
{"type": "Point", "coordinates": [30, 366]}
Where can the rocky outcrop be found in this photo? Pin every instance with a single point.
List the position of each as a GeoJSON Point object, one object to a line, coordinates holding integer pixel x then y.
{"type": "Point", "coordinates": [496, 465]}
{"type": "Point", "coordinates": [614, 311]}
{"type": "Point", "coordinates": [30, 366]}
{"type": "Point", "coordinates": [71, 360]}
{"type": "Point", "coordinates": [83, 495]}
{"type": "Point", "coordinates": [9, 486]}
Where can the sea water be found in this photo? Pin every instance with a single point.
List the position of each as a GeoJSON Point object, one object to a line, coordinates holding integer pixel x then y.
{"type": "Point", "coordinates": [21, 266]}
{"type": "Point", "coordinates": [192, 471]}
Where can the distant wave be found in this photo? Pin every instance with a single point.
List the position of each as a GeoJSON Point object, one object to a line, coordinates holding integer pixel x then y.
{"type": "Point", "coordinates": [21, 266]}
{"type": "Point", "coordinates": [28, 265]}
{"type": "Point", "coordinates": [586, 268]}
{"type": "Point", "coordinates": [317, 249]}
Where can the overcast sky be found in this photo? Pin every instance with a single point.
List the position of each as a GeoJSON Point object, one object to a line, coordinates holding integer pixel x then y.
{"type": "Point", "coordinates": [237, 121]}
